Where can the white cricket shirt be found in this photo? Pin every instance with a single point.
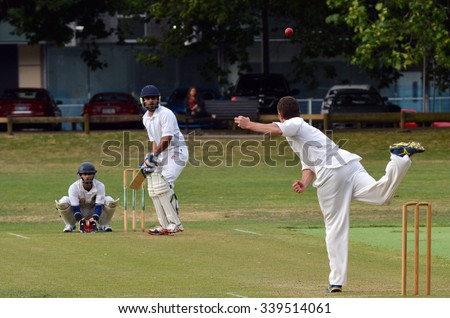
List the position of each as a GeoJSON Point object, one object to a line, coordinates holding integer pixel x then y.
{"type": "Point", "coordinates": [87, 199]}
{"type": "Point", "coordinates": [163, 123]}
{"type": "Point", "coordinates": [314, 148]}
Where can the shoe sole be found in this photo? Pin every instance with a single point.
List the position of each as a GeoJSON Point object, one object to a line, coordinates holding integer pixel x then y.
{"type": "Point", "coordinates": [333, 289]}
{"type": "Point", "coordinates": [409, 148]}
{"type": "Point", "coordinates": [161, 233]}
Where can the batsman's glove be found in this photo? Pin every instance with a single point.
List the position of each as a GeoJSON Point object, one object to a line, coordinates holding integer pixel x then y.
{"type": "Point", "coordinates": [151, 159]}
{"type": "Point", "coordinates": [147, 169]}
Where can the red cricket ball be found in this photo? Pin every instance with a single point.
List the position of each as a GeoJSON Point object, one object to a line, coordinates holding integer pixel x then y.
{"type": "Point", "coordinates": [289, 32]}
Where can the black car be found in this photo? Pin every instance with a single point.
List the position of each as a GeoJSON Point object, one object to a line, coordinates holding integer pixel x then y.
{"type": "Point", "coordinates": [341, 99]}
{"type": "Point", "coordinates": [267, 89]}
{"type": "Point", "coordinates": [355, 99]}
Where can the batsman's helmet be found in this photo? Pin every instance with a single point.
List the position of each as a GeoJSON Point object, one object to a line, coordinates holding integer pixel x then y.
{"type": "Point", "coordinates": [87, 167]}
{"type": "Point", "coordinates": [149, 90]}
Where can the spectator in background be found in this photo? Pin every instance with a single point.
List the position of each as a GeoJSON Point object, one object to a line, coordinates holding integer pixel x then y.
{"type": "Point", "coordinates": [195, 106]}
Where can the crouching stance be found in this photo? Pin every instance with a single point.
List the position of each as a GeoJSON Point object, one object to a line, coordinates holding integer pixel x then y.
{"type": "Point", "coordinates": [87, 203]}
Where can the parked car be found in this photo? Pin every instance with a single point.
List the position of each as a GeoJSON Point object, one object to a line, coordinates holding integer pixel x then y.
{"type": "Point", "coordinates": [267, 89]}
{"type": "Point", "coordinates": [112, 103]}
{"type": "Point", "coordinates": [30, 102]}
{"type": "Point", "coordinates": [175, 103]}
{"type": "Point", "coordinates": [355, 99]}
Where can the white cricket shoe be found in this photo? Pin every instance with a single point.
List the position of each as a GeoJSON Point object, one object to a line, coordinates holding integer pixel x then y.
{"type": "Point", "coordinates": [105, 228]}
{"type": "Point", "coordinates": [155, 231]}
{"type": "Point", "coordinates": [172, 229]}
{"type": "Point", "coordinates": [69, 228]}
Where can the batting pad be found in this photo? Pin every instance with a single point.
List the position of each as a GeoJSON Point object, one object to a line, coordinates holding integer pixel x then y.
{"type": "Point", "coordinates": [156, 202]}
{"type": "Point", "coordinates": [163, 199]}
{"type": "Point", "coordinates": [160, 212]}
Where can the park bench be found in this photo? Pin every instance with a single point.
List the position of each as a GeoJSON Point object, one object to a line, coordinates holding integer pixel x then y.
{"type": "Point", "coordinates": [225, 111]}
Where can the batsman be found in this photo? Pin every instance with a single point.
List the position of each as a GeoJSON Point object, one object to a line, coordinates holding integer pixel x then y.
{"type": "Point", "coordinates": [165, 162]}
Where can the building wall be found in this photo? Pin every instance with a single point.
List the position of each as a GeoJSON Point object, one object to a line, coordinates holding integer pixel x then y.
{"type": "Point", "coordinates": [68, 78]}
{"type": "Point", "coordinates": [30, 68]}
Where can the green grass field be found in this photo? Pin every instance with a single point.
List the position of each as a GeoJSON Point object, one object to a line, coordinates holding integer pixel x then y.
{"type": "Point", "coordinates": [247, 234]}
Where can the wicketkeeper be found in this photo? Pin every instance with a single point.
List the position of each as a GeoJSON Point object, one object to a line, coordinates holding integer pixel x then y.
{"type": "Point", "coordinates": [165, 162]}
{"type": "Point", "coordinates": [87, 203]}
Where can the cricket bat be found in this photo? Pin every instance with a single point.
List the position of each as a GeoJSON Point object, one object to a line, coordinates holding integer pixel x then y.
{"type": "Point", "coordinates": [138, 179]}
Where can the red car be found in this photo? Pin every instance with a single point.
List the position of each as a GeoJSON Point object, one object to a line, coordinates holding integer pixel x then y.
{"type": "Point", "coordinates": [112, 103]}
{"type": "Point", "coordinates": [29, 102]}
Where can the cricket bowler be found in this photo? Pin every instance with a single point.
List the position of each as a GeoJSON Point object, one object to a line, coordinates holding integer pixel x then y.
{"type": "Point", "coordinates": [339, 178]}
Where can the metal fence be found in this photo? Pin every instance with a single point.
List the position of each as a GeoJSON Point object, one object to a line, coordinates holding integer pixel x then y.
{"type": "Point", "coordinates": [435, 105]}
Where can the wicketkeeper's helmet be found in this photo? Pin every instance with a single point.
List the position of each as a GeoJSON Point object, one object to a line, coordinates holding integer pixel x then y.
{"type": "Point", "coordinates": [87, 167]}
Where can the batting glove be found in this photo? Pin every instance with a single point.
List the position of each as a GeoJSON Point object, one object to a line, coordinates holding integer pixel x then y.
{"type": "Point", "coordinates": [151, 159]}
{"type": "Point", "coordinates": [147, 169]}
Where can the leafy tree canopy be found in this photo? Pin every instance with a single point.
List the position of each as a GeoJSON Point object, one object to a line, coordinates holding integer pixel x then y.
{"type": "Point", "coordinates": [49, 21]}
{"type": "Point", "coordinates": [398, 34]}
{"type": "Point", "coordinates": [383, 37]}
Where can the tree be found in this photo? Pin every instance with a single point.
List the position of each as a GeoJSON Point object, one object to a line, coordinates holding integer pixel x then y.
{"type": "Point", "coordinates": [382, 37]}
{"type": "Point", "coordinates": [220, 28]}
{"type": "Point", "coordinates": [191, 27]}
{"type": "Point", "coordinates": [49, 21]}
{"type": "Point", "coordinates": [399, 34]}
{"type": "Point", "coordinates": [229, 27]}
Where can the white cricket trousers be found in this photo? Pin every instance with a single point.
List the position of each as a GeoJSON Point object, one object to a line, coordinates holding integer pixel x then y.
{"type": "Point", "coordinates": [172, 163]}
{"type": "Point", "coordinates": [336, 188]}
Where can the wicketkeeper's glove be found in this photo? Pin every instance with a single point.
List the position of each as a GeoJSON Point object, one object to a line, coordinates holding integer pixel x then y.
{"type": "Point", "coordinates": [82, 225]}
{"type": "Point", "coordinates": [93, 225]}
{"type": "Point", "coordinates": [87, 226]}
